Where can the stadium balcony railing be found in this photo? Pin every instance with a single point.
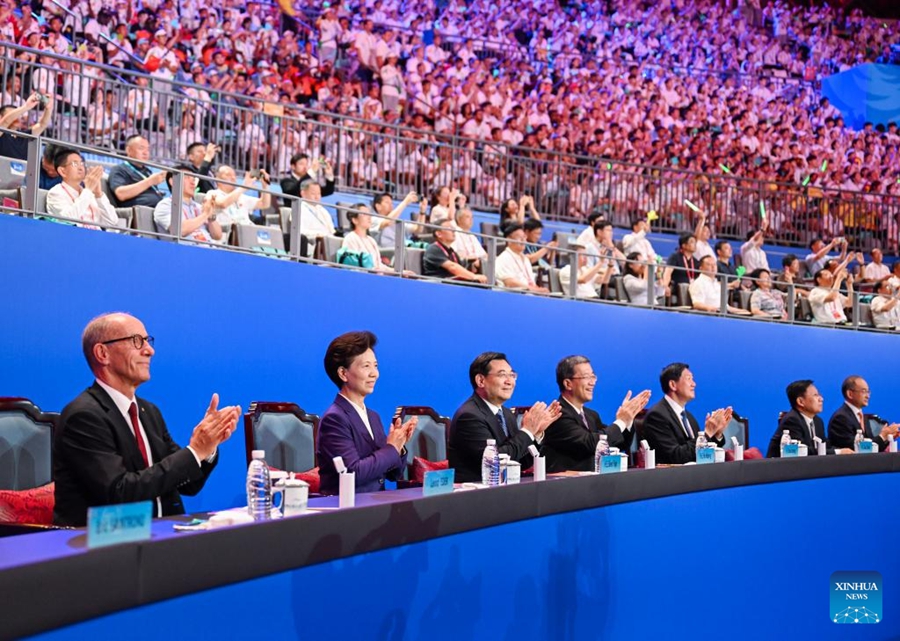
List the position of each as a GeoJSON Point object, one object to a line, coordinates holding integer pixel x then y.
{"type": "Point", "coordinates": [404, 256]}
{"type": "Point", "coordinates": [372, 156]}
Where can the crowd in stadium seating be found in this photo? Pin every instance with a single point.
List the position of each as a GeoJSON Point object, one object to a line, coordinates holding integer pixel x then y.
{"type": "Point", "coordinates": [628, 101]}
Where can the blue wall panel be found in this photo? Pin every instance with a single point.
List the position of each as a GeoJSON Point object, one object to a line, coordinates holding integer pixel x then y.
{"type": "Point", "coordinates": [629, 571]}
{"type": "Point", "coordinates": [253, 328]}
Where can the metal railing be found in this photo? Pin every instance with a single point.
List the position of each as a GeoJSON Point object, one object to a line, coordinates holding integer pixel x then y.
{"type": "Point", "coordinates": [292, 226]}
{"type": "Point", "coordinates": [370, 157]}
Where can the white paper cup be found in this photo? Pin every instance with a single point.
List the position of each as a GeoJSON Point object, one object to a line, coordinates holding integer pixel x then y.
{"type": "Point", "coordinates": [649, 459]}
{"type": "Point", "coordinates": [347, 497]}
{"type": "Point", "coordinates": [540, 469]}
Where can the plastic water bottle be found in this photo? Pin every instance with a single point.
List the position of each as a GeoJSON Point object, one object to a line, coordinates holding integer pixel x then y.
{"type": "Point", "coordinates": [857, 440]}
{"type": "Point", "coordinates": [600, 451]}
{"type": "Point", "coordinates": [701, 444]}
{"type": "Point", "coordinates": [259, 487]}
{"type": "Point", "coordinates": [785, 440]}
{"type": "Point", "coordinates": [490, 464]}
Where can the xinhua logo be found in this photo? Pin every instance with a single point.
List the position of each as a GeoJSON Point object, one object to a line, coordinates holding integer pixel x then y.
{"type": "Point", "coordinates": [856, 597]}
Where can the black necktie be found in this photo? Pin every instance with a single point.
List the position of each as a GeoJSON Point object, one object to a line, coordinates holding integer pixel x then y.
{"type": "Point", "coordinates": [687, 425]}
{"type": "Point", "coordinates": [501, 421]}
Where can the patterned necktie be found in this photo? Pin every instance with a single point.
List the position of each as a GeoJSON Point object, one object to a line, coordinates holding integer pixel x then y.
{"type": "Point", "coordinates": [133, 413]}
{"type": "Point", "coordinates": [687, 425]}
{"type": "Point", "coordinates": [862, 423]}
{"type": "Point", "coordinates": [501, 421]}
{"type": "Point", "coordinates": [585, 421]}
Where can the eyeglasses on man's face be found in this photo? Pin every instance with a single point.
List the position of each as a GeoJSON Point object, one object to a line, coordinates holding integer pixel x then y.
{"type": "Point", "coordinates": [503, 374]}
{"type": "Point", "coordinates": [136, 339]}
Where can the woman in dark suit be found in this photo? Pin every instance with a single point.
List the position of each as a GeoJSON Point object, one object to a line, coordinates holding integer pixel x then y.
{"type": "Point", "coordinates": [348, 429]}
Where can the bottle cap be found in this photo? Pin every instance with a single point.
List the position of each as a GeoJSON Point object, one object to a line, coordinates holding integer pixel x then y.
{"type": "Point", "coordinates": [258, 454]}
{"type": "Point", "coordinates": [492, 441]}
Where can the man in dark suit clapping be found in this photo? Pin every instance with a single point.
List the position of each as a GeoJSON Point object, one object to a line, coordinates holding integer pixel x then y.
{"type": "Point", "coordinates": [849, 417]}
{"type": "Point", "coordinates": [670, 429]}
{"type": "Point", "coordinates": [570, 441]}
{"type": "Point", "coordinates": [113, 447]}
{"type": "Point", "coordinates": [483, 417]}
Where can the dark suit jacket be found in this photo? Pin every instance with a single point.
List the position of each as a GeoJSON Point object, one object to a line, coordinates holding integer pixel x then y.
{"type": "Point", "coordinates": [96, 460]}
{"type": "Point", "coordinates": [342, 433]}
{"type": "Point", "coordinates": [794, 423]}
{"type": "Point", "coordinates": [842, 428]}
{"type": "Point", "coordinates": [471, 427]}
{"type": "Point", "coordinates": [665, 434]}
{"type": "Point", "coordinates": [569, 445]}
{"type": "Point", "coordinates": [291, 186]}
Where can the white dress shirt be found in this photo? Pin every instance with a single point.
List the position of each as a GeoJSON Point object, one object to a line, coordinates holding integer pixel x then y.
{"type": "Point", "coordinates": [363, 415]}
{"type": "Point", "coordinates": [511, 265]}
{"type": "Point", "coordinates": [64, 201]}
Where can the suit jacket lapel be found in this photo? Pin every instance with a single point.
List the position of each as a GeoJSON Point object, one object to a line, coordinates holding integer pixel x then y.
{"type": "Point", "coordinates": [123, 429]}
{"type": "Point", "coordinates": [491, 418]}
{"type": "Point", "coordinates": [854, 420]}
{"type": "Point", "coordinates": [677, 424]}
{"type": "Point", "coordinates": [354, 418]}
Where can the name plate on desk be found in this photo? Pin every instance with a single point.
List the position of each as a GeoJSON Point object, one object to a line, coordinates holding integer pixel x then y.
{"type": "Point", "coordinates": [123, 523]}
{"type": "Point", "coordinates": [610, 464]}
{"type": "Point", "coordinates": [706, 455]}
{"type": "Point", "coordinates": [791, 450]}
{"type": "Point", "coordinates": [438, 482]}
{"type": "Point", "coordinates": [867, 447]}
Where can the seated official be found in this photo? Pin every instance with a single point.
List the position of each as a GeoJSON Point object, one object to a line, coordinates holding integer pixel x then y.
{"type": "Point", "coordinates": [302, 170]}
{"type": "Point", "coordinates": [849, 418]}
{"type": "Point", "coordinates": [467, 245]}
{"type": "Point", "coordinates": [570, 441]}
{"type": "Point", "coordinates": [670, 429]}
{"type": "Point", "coordinates": [724, 269]}
{"type": "Point", "coordinates": [826, 300]}
{"type": "Point", "coordinates": [114, 447]}
{"type": "Point", "coordinates": [635, 280]}
{"type": "Point", "coordinates": [76, 201]}
{"type": "Point", "coordinates": [315, 221]}
{"type": "Point", "coordinates": [483, 417]}
{"type": "Point", "coordinates": [706, 291]}
{"type": "Point", "coordinates": [350, 430]}
{"type": "Point", "coordinates": [802, 422]}
{"type": "Point", "coordinates": [197, 221]}
{"type": "Point", "coordinates": [132, 182]}
{"type": "Point", "coordinates": [442, 261]}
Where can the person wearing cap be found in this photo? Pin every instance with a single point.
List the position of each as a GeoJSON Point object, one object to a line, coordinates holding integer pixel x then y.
{"type": "Point", "coordinates": [590, 277]}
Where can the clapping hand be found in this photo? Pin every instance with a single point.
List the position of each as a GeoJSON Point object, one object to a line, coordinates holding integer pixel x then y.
{"type": "Point", "coordinates": [216, 427]}
{"type": "Point", "coordinates": [717, 421]}
{"type": "Point", "coordinates": [92, 180]}
{"type": "Point", "coordinates": [401, 433]}
{"type": "Point", "coordinates": [631, 407]}
{"type": "Point", "coordinates": [540, 416]}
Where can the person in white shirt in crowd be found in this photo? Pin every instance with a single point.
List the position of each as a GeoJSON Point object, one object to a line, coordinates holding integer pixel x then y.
{"type": "Point", "coordinates": [826, 300]}
{"type": "Point", "coordinates": [197, 222]}
{"type": "Point", "coordinates": [604, 249]}
{"type": "Point", "coordinates": [590, 277]}
{"type": "Point", "coordinates": [753, 256]}
{"type": "Point", "coordinates": [765, 301]}
{"type": "Point", "coordinates": [637, 241]}
{"type": "Point", "coordinates": [588, 235]}
{"type": "Point", "coordinates": [818, 255]}
{"type": "Point", "coordinates": [383, 205]}
{"type": "Point", "coordinates": [315, 221]}
{"type": "Point", "coordinates": [69, 199]}
{"type": "Point", "coordinates": [467, 245]}
{"type": "Point", "coordinates": [513, 269]}
{"type": "Point", "coordinates": [885, 307]}
{"type": "Point", "coordinates": [232, 204]}
{"type": "Point", "coordinates": [358, 239]}
{"type": "Point", "coordinates": [104, 123]}
{"type": "Point", "coordinates": [635, 280]}
{"type": "Point", "coordinates": [706, 290]}
{"type": "Point", "coordinates": [876, 271]}
{"type": "Point", "coordinates": [702, 235]}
